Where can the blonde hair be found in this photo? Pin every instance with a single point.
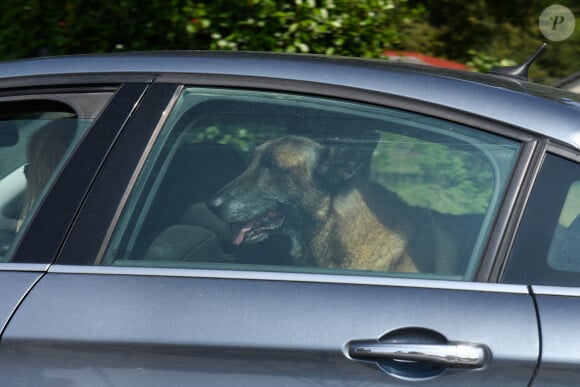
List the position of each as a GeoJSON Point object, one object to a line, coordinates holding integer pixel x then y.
{"type": "Point", "coordinates": [44, 151]}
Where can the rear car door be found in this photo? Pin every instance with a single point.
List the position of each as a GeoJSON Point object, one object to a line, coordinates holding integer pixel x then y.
{"type": "Point", "coordinates": [545, 254]}
{"type": "Point", "coordinates": [153, 288]}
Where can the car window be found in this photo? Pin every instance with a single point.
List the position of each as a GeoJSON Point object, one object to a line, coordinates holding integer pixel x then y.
{"type": "Point", "coordinates": [35, 137]}
{"type": "Point", "coordinates": [546, 250]}
{"type": "Point", "coordinates": [271, 181]}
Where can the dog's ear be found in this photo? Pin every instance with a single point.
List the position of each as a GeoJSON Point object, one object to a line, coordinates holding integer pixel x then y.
{"type": "Point", "coordinates": [343, 159]}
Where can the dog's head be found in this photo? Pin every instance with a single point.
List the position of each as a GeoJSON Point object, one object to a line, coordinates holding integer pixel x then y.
{"type": "Point", "coordinates": [288, 183]}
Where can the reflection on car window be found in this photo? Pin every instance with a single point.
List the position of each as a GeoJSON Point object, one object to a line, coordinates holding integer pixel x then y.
{"type": "Point", "coordinates": [564, 253]}
{"type": "Point", "coordinates": [34, 139]}
{"type": "Point", "coordinates": [271, 181]}
{"type": "Point", "coordinates": [547, 248]}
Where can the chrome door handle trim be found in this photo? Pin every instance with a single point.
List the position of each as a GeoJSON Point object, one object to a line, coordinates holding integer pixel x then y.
{"type": "Point", "coordinates": [451, 355]}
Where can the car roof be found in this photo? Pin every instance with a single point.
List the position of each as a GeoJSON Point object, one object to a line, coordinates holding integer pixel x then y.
{"type": "Point", "coordinates": [541, 109]}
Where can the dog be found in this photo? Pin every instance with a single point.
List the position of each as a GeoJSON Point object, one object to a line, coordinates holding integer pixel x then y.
{"type": "Point", "coordinates": [319, 195]}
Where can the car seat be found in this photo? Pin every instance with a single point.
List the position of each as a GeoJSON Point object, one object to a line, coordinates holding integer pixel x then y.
{"type": "Point", "coordinates": [179, 226]}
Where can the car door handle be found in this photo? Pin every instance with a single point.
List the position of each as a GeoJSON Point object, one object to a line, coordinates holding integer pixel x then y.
{"type": "Point", "coordinates": [450, 355]}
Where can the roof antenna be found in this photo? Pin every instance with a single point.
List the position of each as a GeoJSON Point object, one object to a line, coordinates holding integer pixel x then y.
{"type": "Point", "coordinates": [518, 72]}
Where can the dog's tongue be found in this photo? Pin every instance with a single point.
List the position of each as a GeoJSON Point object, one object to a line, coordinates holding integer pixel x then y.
{"type": "Point", "coordinates": [239, 231]}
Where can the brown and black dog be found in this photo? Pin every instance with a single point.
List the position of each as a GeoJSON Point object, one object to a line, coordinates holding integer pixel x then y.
{"type": "Point", "coordinates": [321, 197]}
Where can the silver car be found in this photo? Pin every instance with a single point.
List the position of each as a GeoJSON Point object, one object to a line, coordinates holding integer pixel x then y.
{"type": "Point", "coordinates": [253, 219]}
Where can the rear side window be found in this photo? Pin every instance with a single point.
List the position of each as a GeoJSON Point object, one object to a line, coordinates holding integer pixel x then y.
{"type": "Point", "coordinates": [251, 180]}
{"type": "Point", "coordinates": [546, 250]}
{"type": "Point", "coordinates": [36, 137]}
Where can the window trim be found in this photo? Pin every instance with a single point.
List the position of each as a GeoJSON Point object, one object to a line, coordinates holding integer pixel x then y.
{"type": "Point", "coordinates": [508, 222]}
{"type": "Point", "coordinates": [35, 84]}
{"type": "Point", "coordinates": [291, 277]}
{"type": "Point", "coordinates": [29, 267]}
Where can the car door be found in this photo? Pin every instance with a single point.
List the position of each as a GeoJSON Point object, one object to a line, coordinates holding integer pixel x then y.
{"type": "Point", "coordinates": [152, 288]}
{"type": "Point", "coordinates": [39, 127]}
{"type": "Point", "coordinates": [545, 256]}
{"type": "Point", "coordinates": [16, 280]}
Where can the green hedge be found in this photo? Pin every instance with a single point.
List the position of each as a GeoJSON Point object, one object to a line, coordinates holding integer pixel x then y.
{"type": "Point", "coordinates": [347, 27]}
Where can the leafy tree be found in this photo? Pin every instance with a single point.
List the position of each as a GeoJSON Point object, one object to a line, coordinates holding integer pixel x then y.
{"type": "Point", "coordinates": [486, 33]}
{"type": "Point", "coordinates": [482, 33]}
{"type": "Point", "coordinates": [355, 27]}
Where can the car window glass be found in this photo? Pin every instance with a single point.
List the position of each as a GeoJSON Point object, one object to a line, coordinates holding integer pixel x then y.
{"type": "Point", "coordinates": [35, 137]}
{"type": "Point", "coordinates": [547, 247]}
{"type": "Point", "coordinates": [565, 245]}
{"type": "Point", "coordinates": [272, 181]}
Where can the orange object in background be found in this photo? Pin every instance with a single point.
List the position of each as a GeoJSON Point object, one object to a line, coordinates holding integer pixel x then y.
{"type": "Point", "coordinates": [416, 57]}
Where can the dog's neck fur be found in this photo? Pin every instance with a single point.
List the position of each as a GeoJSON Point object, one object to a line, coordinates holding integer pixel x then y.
{"type": "Point", "coordinates": [347, 234]}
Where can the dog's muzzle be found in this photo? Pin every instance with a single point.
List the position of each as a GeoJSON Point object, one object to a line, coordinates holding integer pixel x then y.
{"type": "Point", "coordinates": [246, 226]}
{"type": "Point", "coordinates": [256, 230]}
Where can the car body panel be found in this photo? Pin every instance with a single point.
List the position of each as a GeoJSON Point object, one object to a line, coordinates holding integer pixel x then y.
{"type": "Point", "coordinates": [15, 282]}
{"type": "Point", "coordinates": [143, 329]}
{"type": "Point", "coordinates": [559, 312]}
{"type": "Point", "coordinates": [514, 102]}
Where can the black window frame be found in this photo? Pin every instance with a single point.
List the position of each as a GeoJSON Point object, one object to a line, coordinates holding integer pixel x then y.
{"type": "Point", "coordinates": [93, 222]}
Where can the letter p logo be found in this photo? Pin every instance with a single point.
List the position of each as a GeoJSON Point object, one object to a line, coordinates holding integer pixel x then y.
{"type": "Point", "coordinates": [557, 23]}
{"type": "Point", "coordinates": [557, 20]}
